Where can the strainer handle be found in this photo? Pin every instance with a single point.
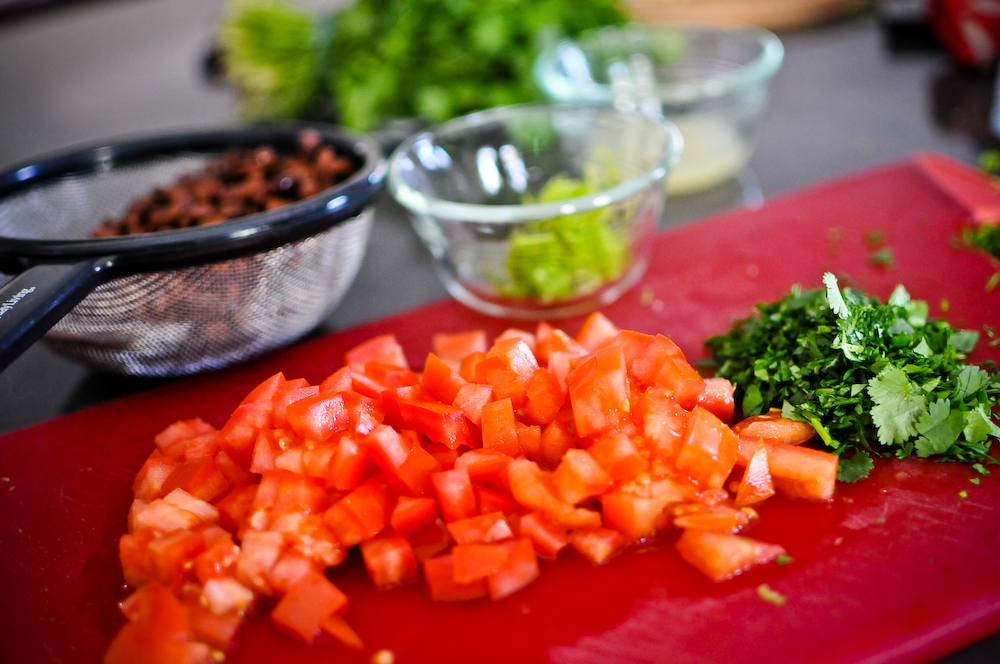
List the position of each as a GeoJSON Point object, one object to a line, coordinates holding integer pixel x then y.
{"type": "Point", "coordinates": [39, 297]}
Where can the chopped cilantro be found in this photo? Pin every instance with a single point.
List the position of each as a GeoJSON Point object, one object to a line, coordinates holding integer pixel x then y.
{"type": "Point", "coordinates": [783, 559]}
{"type": "Point", "coordinates": [766, 593]}
{"type": "Point", "coordinates": [873, 379]}
{"type": "Point", "coordinates": [884, 258]}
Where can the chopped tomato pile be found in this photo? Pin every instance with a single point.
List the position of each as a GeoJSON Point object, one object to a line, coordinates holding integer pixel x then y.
{"type": "Point", "coordinates": [460, 476]}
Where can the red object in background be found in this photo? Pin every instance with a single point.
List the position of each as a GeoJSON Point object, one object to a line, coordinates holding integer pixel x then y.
{"type": "Point", "coordinates": [969, 29]}
{"type": "Point", "coordinates": [897, 569]}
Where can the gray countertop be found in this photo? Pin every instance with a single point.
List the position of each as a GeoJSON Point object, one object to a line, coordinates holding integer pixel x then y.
{"type": "Point", "coordinates": [844, 100]}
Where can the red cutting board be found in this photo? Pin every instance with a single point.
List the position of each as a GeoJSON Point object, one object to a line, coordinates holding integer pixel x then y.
{"type": "Point", "coordinates": [898, 568]}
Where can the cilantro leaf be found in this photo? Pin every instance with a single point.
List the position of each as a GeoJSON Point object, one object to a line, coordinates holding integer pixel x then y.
{"type": "Point", "coordinates": [939, 428]}
{"type": "Point", "coordinates": [854, 468]}
{"type": "Point", "coordinates": [898, 404]}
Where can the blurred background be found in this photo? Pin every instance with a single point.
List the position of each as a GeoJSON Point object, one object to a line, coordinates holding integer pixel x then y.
{"type": "Point", "coordinates": [862, 83]}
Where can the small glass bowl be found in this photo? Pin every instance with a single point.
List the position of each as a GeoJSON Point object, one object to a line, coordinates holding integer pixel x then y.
{"type": "Point", "coordinates": [537, 211]}
{"type": "Point", "coordinates": [712, 82]}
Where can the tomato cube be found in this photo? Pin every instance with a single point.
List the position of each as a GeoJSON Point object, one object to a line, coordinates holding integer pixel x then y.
{"type": "Point", "coordinates": [722, 556]}
{"type": "Point", "coordinates": [439, 574]}
{"type": "Point", "coordinates": [708, 449]}
{"type": "Point", "coordinates": [389, 560]}
{"type": "Point", "coordinates": [307, 604]}
{"type": "Point", "coordinates": [599, 393]}
{"type": "Point", "coordinates": [518, 570]}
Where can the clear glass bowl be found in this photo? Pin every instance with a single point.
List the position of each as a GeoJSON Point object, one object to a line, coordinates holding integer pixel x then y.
{"type": "Point", "coordinates": [537, 211]}
{"type": "Point", "coordinates": [712, 82]}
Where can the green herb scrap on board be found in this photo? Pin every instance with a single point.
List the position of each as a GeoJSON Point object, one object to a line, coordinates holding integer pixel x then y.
{"type": "Point", "coordinates": [378, 60]}
{"type": "Point", "coordinates": [873, 379]}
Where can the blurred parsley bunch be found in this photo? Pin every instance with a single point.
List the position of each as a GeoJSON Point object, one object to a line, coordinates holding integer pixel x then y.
{"type": "Point", "coordinates": [382, 59]}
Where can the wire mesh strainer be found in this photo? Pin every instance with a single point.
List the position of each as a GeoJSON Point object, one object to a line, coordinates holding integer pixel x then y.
{"type": "Point", "coordinates": [179, 301]}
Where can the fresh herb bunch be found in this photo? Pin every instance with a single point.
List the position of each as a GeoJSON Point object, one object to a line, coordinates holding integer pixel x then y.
{"type": "Point", "coordinates": [382, 59]}
{"type": "Point", "coordinates": [880, 379]}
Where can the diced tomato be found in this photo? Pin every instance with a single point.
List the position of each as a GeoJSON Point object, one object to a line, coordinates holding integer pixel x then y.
{"type": "Point", "coordinates": [217, 631]}
{"type": "Point", "coordinates": [453, 347]}
{"type": "Point", "coordinates": [529, 439]}
{"type": "Point", "coordinates": [390, 376]}
{"type": "Point", "coordinates": [172, 440]}
{"type": "Point", "coordinates": [721, 556]}
{"type": "Point", "coordinates": [200, 477]}
{"type": "Point", "coordinates": [773, 428]}
{"type": "Point", "coordinates": [597, 332]}
{"type": "Point", "coordinates": [363, 413]}
{"type": "Point", "coordinates": [618, 455]}
{"type": "Point", "coordinates": [223, 595]}
{"type": "Point", "coordinates": [259, 551]}
{"type": "Point", "coordinates": [549, 339]}
{"type": "Point", "coordinates": [389, 560]}
{"type": "Point", "coordinates": [547, 538]}
{"type": "Point", "coordinates": [438, 421]}
{"type": "Point", "coordinates": [240, 433]}
{"type": "Point", "coordinates": [499, 429]}
{"type": "Point", "coordinates": [491, 500]}
{"type": "Point", "coordinates": [471, 398]}
{"type": "Point", "coordinates": [372, 505]}
{"type": "Point", "coordinates": [154, 603]}
{"type": "Point", "coordinates": [411, 514]}
{"type": "Point", "coordinates": [387, 448]}
{"type": "Point", "coordinates": [469, 367]}
{"type": "Point", "coordinates": [414, 476]}
{"type": "Point", "coordinates": [383, 348]}
{"type": "Point", "coordinates": [478, 561]}
{"type": "Point", "coordinates": [599, 393]}
{"type": "Point", "coordinates": [236, 474]}
{"type": "Point", "coordinates": [441, 380]}
{"type": "Point", "coordinates": [597, 544]}
{"type": "Point", "coordinates": [348, 464]}
{"type": "Point", "coordinates": [544, 397]}
{"type": "Point", "coordinates": [284, 491]}
{"type": "Point", "coordinates": [486, 466]}
{"type": "Point", "coordinates": [518, 333]}
{"type": "Point", "coordinates": [663, 422]}
{"type": "Point", "coordinates": [346, 526]}
{"type": "Point", "coordinates": [708, 450]}
{"type": "Point", "coordinates": [454, 493]}
{"type": "Point", "coordinates": [717, 398]}
{"type": "Point", "coordinates": [756, 484]}
{"type": "Point", "coordinates": [481, 529]}
{"type": "Point", "coordinates": [518, 570]}
{"type": "Point", "coordinates": [287, 396]}
{"type": "Point", "coordinates": [318, 417]}
{"type": "Point", "coordinates": [148, 483]}
{"type": "Point", "coordinates": [802, 472]}
{"type": "Point", "coordinates": [675, 373]}
{"type": "Point", "coordinates": [307, 604]}
{"type": "Point", "coordinates": [430, 540]}
{"type": "Point", "coordinates": [556, 439]}
{"type": "Point", "coordinates": [439, 574]}
{"type": "Point", "coordinates": [172, 556]}
{"type": "Point", "coordinates": [237, 506]}
{"type": "Point", "coordinates": [634, 515]}
{"type": "Point", "coordinates": [217, 559]}
{"type": "Point", "coordinates": [717, 518]}
{"type": "Point", "coordinates": [265, 391]}
{"type": "Point", "coordinates": [579, 477]}
{"type": "Point", "coordinates": [532, 488]}
{"type": "Point", "coordinates": [338, 382]}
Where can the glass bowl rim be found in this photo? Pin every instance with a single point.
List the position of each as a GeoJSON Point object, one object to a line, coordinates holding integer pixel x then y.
{"type": "Point", "coordinates": [420, 203]}
{"type": "Point", "coordinates": [760, 69]}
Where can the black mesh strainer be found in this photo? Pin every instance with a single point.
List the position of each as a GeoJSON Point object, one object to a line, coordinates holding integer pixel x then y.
{"type": "Point", "coordinates": [178, 301]}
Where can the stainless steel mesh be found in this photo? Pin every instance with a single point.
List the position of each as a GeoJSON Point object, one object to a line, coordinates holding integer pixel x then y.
{"type": "Point", "coordinates": [184, 321]}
